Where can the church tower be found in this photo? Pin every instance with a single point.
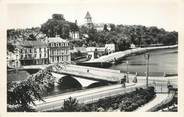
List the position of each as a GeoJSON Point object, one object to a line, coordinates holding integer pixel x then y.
{"type": "Point", "coordinates": [88, 19]}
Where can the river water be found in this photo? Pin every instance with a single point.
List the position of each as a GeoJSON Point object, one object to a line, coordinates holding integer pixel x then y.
{"type": "Point", "coordinates": [164, 60]}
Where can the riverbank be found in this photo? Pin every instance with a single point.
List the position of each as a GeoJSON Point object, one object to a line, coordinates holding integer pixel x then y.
{"type": "Point", "coordinates": [121, 54]}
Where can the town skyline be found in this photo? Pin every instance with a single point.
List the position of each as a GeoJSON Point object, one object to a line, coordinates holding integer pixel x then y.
{"type": "Point", "coordinates": [126, 13]}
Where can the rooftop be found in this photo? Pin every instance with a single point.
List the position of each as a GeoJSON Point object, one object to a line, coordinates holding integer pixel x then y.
{"type": "Point", "coordinates": [87, 15]}
{"type": "Point", "coordinates": [32, 43]}
{"type": "Point", "coordinates": [56, 39]}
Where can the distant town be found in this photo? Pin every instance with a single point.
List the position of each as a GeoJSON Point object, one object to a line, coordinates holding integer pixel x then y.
{"type": "Point", "coordinates": [95, 59]}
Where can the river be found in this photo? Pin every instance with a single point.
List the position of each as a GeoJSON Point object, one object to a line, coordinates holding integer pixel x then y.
{"type": "Point", "coordinates": [164, 60]}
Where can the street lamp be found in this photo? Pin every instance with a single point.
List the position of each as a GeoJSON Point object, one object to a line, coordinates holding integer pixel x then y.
{"type": "Point", "coordinates": [147, 56]}
{"type": "Point", "coordinates": [127, 72]}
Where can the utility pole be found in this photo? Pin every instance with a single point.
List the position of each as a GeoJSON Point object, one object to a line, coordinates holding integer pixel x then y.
{"type": "Point", "coordinates": [127, 72]}
{"type": "Point", "coordinates": [147, 56]}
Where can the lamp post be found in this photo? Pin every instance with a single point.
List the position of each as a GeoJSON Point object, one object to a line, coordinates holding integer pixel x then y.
{"type": "Point", "coordinates": [127, 72]}
{"type": "Point", "coordinates": [147, 56]}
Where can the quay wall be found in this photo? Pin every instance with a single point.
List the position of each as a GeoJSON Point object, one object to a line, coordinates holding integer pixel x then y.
{"type": "Point", "coordinates": [119, 55]}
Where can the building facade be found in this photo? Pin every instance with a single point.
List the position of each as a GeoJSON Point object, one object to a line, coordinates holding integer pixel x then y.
{"type": "Point", "coordinates": [33, 53]}
{"type": "Point", "coordinates": [110, 48]}
{"type": "Point", "coordinates": [59, 50]}
{"type": "Point", "coordinates": [74, 35]}
{"type": "Point", "coordinates": [13, 59]}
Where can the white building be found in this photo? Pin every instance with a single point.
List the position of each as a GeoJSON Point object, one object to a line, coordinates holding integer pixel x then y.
{"type": "Point", "coordinates": [110, 48]}
{"type": "Point", "coordinates": [59, 50]}
{"type": "Point", "coordinates": [74, 35]}
{"type": "Point", "coordinates": [33, 52]}
{"type": "Point", "coordinates": [132, 46]}
{"type": "Point", "coordinates": [100, 26]}
{"type": "Point", "coordinates": [13, 59]}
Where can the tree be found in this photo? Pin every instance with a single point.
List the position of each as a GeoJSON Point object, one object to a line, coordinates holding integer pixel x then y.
{"type": "Point", "coordinates": [105, 28]}
{"type": "Point", "coordinates": [113, 27]}
{"type": "Point", "coordinates": [70, 105]}
{"type": "Point", "coordinates": [29, 90]}
{"type": "Point", "coordinates": [58, 17]}
{"type": "Point", "coordinates": [10, 47]}
{"type": "Point", "coordinates": [58, 26]}
{"type": "Point", "coordinates": [32, 37]}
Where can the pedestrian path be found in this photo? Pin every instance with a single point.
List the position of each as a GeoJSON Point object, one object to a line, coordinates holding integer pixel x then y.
{"type": "Point", "coordinates": [85, 96]}
{"type": "Point", "coordinates": [157, 100]}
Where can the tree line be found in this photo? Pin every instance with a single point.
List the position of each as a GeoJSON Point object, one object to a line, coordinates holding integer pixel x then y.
{"type": "Point", "coordinates": [121, 35]}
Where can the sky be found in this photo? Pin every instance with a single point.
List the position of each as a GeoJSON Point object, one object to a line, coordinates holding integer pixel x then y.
{"type": "Point", "coordinates": [162, 13]}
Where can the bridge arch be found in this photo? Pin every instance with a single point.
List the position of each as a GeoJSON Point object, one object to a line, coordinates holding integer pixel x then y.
{"type": "Point", "coordinates": [97, 84]}
{"type": "Point", "coordinates": [83, 82]}
{"type": "Point", "coordinates": [68, 82]}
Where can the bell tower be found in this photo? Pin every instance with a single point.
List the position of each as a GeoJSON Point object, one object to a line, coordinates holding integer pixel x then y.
{"type": "Point", "coordinates": [88, 20]}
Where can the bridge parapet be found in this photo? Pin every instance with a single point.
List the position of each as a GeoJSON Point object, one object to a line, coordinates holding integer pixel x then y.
{"type": "Point", "coordinates": [97, 74]}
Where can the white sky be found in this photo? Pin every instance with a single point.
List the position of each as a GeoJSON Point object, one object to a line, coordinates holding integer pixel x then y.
{"type": "Point", "coordinates": [163, 14]}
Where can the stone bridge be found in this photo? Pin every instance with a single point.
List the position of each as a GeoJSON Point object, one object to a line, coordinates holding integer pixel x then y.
{"type": "Point", "coordinates": [84, 75]}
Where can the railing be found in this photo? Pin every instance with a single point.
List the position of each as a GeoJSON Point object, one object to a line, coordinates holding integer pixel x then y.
{"type": "Point", "coordinates": [101, 95]}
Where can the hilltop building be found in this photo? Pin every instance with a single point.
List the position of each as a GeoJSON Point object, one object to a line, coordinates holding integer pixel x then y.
{"type": "Point", "coordinates": [88, 20]}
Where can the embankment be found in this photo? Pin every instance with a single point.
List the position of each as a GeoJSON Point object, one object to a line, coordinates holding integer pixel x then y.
{"type": "Point", "coordinates": [121, 54]}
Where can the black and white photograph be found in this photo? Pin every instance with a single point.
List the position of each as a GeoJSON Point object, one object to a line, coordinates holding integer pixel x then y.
{"type": "Point", "coordinates": [92, 56]}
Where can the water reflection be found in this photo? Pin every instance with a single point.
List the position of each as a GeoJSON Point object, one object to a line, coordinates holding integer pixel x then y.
{"type": "Point", "coordinates": [160, 61]}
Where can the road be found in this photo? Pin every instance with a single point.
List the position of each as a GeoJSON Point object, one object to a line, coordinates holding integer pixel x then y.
{"type": "Point", "coordinates": [157, 100]}
{"type": "Point", "coordinates": [85, 96]}
{"type": "Point", "coordinates": [90, 95]}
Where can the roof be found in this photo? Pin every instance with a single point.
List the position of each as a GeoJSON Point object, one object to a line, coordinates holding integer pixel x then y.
{"type": "Point", "coordinates": [87, 15]}
{"type": "Point", "coordinates": [81, 49]}
{"type": "Point", "coordinates": [32, 43]}
{"type": "Point", "coordinates": [56, 39]}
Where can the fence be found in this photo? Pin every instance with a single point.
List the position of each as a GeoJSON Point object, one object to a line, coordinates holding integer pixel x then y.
{"type": "Point", "coordinates": [96, 96]}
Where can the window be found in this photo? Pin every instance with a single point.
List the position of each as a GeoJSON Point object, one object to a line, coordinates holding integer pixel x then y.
{"type": "Point", "coordinates": [26, 56]}
{"type": "Point", "coordinates": [52, 59]}
{"type": "Point", "coordinates": [21, 57]}
{"type": "Point", "coordinates": [34, 50]}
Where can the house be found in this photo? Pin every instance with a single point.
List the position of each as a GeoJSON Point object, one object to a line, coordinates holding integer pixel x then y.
{"type": "Point", "coordinates": [33, 52]}
{"type": "Point", "coordinates": [74, 35]}
{"type": "Point", "coordinates": [77, 49]}
{"type": "Point", "coordinates": [95, 52]}
{"type": "Point", "coordinates": [110, 48]}
{"type": "Point", "coordinates": [59, 50]}
{"type": "Point", "coordinates": [132, 46]}
{"type": "Point", "coordinates": [13, 59]}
